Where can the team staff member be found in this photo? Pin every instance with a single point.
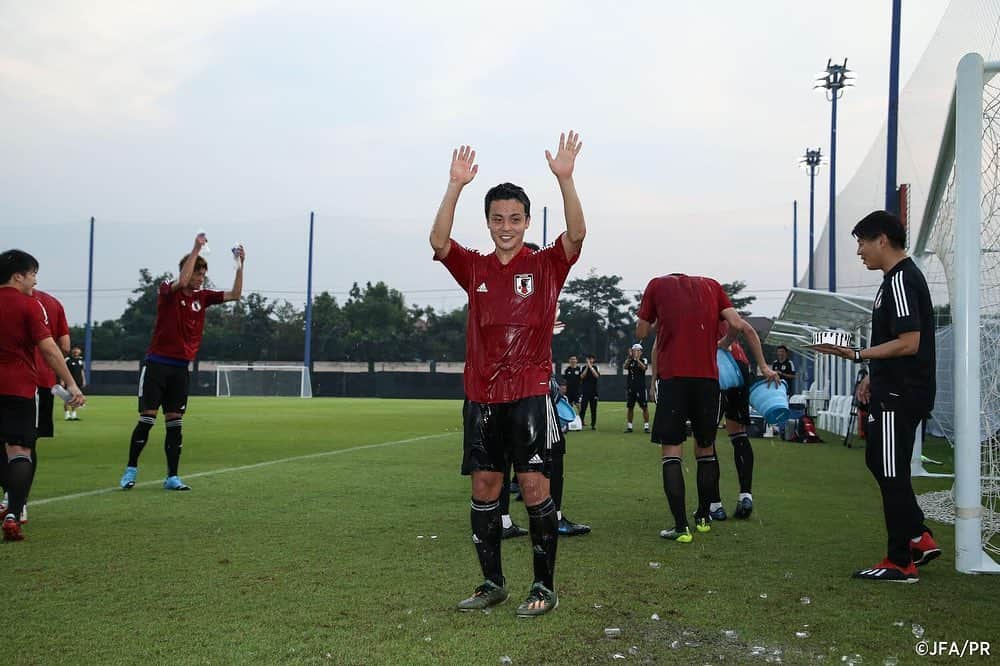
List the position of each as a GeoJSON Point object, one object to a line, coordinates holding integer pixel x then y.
{"type": "Point", "coordinates": [686, 311]}
{"type": "Point", "coordinates": [785, 368]}
{"type": "Point", "coordinates": [571, 375]}
{"type": "Point", "coordinates": [899, 391]}
{"type": "Point", "coordinates": [635, 387]}
{"type": "Point", "coordinates": [589, 376]}
{"type": "Point", "coordinates": [23, 327]}
{"type": "Point", "coordinates": [180, 321]}
{"type": "Point", "coordinates": [513, 294]}
{"type": "Point", "coordinates": [75, 363]}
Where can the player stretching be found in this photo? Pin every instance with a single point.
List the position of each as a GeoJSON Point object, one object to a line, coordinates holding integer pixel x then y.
{"type": "Point", "coordinates": [180, 320]}
{"type": "Point", "coordinates": [24, 325]}
{"type": "Point", "coordinates": [513, 293]}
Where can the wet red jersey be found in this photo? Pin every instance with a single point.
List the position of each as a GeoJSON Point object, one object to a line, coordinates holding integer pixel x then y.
{"type": "Point", "coordinates": [508, 344]}
{"type": "Point", "coordinates": [686, 310]}
{"type": "Point", "coordinates": [23, 325]}
{"type": "Point", "coordinates": [58, 327]}
{"type": "Point", "coordinates": [180, 321]}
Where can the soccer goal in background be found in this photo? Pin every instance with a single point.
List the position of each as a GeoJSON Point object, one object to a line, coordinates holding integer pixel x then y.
{"type": "Point", "coordinates": [262, 380]}
{"type": "Point", "coordinates": [959, 249]}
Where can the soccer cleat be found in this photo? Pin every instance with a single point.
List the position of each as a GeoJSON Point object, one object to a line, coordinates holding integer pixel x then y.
{"type": "Point", "coordinates": [69, 415]}
{"type": "Point", "coordinates": [12, 529]}
{"type": "Point", "coordinates": [645, 428]}
{"type": "Point", "coordinates": [513, 531]}
{"type": "Point", "coordinates": [174, 483]}
{"type": "Point", "coordinates": [701, 524]}
{"type": "Point", "coordinates": [486, 595]}
{"type": "Point", "coordinates": [924, 550]}
{"type": "Point", "coordinates": [744, 508]}
{"type": "Point", "coordinates": [890, 572]}
{"type": "Point", "coordinates": [568, 528]}
{"type": "Point", "coordinates": [593, 427]}
{"type": "Point", "coordinates": [627, 429]}
{"type": "Point", "coordinates": [718, 514]}
{"type": "Point", "coordinates": [678, 535]}
{"type": "Point", "coordinates": [128, 478]}
{"type": "Point", "coordinates": [540, 601]}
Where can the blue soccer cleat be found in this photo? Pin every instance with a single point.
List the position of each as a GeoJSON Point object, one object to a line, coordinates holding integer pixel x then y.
{"type": "Point", "coordinates": [174, 483]}
{"type": "Point", "coordinates": [128, 478]}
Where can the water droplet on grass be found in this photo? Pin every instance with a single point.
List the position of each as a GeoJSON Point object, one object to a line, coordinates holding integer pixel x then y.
{"type": "Point", "coordinates": [654, 565]}
{"type": "Point", "coordinates": [612, 632]}
{"type": "Point", "coordinates": [918, 631]}
{"type": "Point", "coordinates": [802, 634]}
{"type": "Point", "coordinates": [763, 595]}
{"type": "Point", "coordinates": [805, 601]}
{"type": "Point", "coordinates": [654, 617]}
{"type": "Point", "coordinates": [506, 660]}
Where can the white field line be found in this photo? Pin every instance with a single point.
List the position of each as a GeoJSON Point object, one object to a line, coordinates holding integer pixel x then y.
{"type": "Point", "coordinates": [243, 468]}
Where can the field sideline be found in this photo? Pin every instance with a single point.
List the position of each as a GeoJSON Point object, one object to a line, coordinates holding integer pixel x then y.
{"type": "Point", "coordinates": [316, 558]}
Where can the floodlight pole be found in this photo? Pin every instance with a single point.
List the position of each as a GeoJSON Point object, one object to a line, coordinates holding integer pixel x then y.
{"type": "Point", "coordinates": [89, 331]}
{"type": "Point", "coordinates": [795, 242]}
{"type": "Point", "coordinates": [834, 81]}
{"type": "Point", "coordinates": [811, 161]}
{"type": "Point", "coordinates": [309, 287]}
{"type": "Point", "coordinates": [892, 125]}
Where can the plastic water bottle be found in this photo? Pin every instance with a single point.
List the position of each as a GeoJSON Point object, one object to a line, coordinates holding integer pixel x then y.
{"type": "Point", "coordinates": [237, 262]}
{"type": "Point", "coordinates": [205, 250]}
{"type": "Point", "coordinates": [60, 392]}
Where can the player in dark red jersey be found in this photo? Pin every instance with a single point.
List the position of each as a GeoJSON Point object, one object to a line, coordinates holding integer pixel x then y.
{"type": "Point", "coordinates": [686, 311]}
{"type": "Point", "coordinates": [23, 326]}
{"type": "Point", "coordinates": [513, 294]}
{"type": "Point", "coordinates": [46, 377]}
{"type": "Point", "coordinates": [180, 320]}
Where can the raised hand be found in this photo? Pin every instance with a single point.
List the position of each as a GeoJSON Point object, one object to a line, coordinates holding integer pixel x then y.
{"type": "Point", "coordinates": [463, 165]}
{"type": "Point", "coordinates": [562, 164]}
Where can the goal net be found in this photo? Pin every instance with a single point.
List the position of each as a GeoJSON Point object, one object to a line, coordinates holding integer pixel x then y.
{"type": "Point", "coordinates": [263, 380]}
{"type": "Point", "coordinates": [959, 250]}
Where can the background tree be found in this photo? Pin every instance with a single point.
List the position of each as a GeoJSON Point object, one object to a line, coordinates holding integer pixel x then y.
{"type": "Point", "coordinates": [596, 316]}
{"type": "Point", "coordinates": [741, 303]}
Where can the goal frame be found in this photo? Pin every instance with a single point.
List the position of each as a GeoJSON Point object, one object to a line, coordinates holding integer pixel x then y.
{"type": "Point", "coordinates": [305, 383]}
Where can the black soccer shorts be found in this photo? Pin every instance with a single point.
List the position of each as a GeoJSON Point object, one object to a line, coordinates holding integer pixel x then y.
{"type": "Point", "coordinates": [683, 399]}
{"type": "Point", "coordinates": [18, 421]}
{"type": "Point", "coordinates": [166, 385]}
{"type": "Point", "coordinates": [521, 432]}
{"type": "Point", "coordinates": [633, 396]}
{"type": "Point", "coordinates": [736, 401]}
{"type": "Point", "coordinates": [45, 403]}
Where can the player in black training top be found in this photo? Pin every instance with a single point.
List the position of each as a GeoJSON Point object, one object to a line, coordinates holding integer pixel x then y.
{"type": "Point", "coordinates": [635, 386]}
{"type": "Point", "coordinates": [571, 375]}
{"type": "Point", "coordinates": [588, 388]}
{"type": "Point", "coordinates": [75, 364]}
{"type": "Point", "coordinates": [785, 368]}
{"type": "Point", "coordinates": [899, 391]}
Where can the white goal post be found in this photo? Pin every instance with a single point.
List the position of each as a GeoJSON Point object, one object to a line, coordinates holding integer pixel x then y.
{"type": "Point", "coordinates": [262, 380]}
{"type": "Point", "coordinates": [957, 245]}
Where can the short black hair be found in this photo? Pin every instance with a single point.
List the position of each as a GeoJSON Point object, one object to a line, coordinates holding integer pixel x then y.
{"type": "Point", "coordinates": [783, 347]}
{"type": "Point", "coordinates": [507, 191]}
{"type": "Point", "coordinates": [880, 222]}
{"type": "Point", "coordinates": [13, 262]}
{"type": "Point", "coordinates": [593, 356]}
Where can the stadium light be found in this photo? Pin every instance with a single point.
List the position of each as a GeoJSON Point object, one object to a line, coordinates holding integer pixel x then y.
{"type": "Point", "coordinates": [836, 78]}
{"type": "Point", "coordinates": [811, 162]}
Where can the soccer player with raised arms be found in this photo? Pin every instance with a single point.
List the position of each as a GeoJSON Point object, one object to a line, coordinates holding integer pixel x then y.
{"type": "Point", "coordinates": [513, 294]}
{"type": "Point", "coordinates": [180, 321]}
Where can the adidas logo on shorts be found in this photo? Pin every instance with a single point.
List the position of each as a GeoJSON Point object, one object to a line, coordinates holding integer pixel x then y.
{"type": "Point", "coordinates": [535, 460]}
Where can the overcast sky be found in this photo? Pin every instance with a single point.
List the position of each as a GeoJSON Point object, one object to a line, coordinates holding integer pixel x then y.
{"type": "Point", "coordinates": [241, 117]}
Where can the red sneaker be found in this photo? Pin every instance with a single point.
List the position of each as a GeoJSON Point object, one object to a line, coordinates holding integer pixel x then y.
{"type": "Point", "coordinates": [12, 529]}
{"type": "Point", "coordinates": [924, 550]}
{"type": "Point", "coordinates": [888, 571]}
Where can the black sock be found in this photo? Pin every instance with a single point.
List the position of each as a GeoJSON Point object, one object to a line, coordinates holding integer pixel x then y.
{"type": "Point", "coordinates": [3, 471]}
{"type": "Point", "coordinates": [708, 483]}
{"type": "Point", "coordinates": [34, 466]}
{"type": "Point", "coordinates": [673, 488]}
{"type": "Point", "coordinates": [19, 473]}
{"type": "Point", "coordinates": [505, 493]}
{"type": "Point", "coordinates": [544, 539]}
{"type": "Point", "coordinates": [743, 456]}
{"type": "Point", "coordinates": [140, 435]}
{"type": "Point", "coordinates": [172, 445]}
{"type": "Point", "coordinates": [556, 480]}
{"type": "Point", "coordinates": [486, 529]}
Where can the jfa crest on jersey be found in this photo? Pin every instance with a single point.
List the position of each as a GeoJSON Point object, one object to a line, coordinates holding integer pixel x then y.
{"type": "Point", "coordinates": [524, 284]}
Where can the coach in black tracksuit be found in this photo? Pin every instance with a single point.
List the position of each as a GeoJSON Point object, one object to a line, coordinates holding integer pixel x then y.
{"type": "Point", "coordinates": [588, 387]}
{"type": "Point", "coordinates": [899, 390]}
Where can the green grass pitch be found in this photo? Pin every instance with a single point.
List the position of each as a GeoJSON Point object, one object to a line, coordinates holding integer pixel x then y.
{"type": "Point", "coordinates": [300, 543]}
